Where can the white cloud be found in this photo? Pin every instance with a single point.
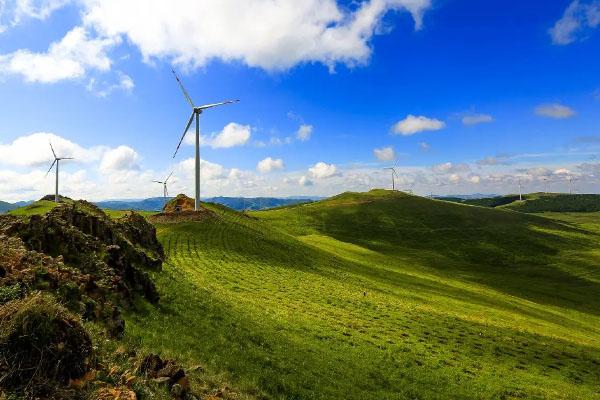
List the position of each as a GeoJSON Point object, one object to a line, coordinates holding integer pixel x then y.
{"type": "Point", "coordinates": [290, 32]}
{"type": "Point", "coordinates": [424, 146]}
{"type": "Point", "coordinates": [454, 178]}
{"type": "Point", "coordinates": [123, 158]}
{"type": "Point", "coordinates": [232, 135]}
{"type": "Point", "coordinates": [104, 89]}
{"type": "Point", "coordinates": [413, 124]}
{"type": "Point", "coordinates": [578, 19]}
{"type": "Point", "coordinates": [322, 170]}
{"type": "Point", "coordinates": [475, 179]}
{"type": "Point", "coordinates": [15, 11]}
{"type": "Point", "coordinates": [304, 181]}
{"type": "Point", "coordinates": [304, 132]}
{"type": "Point", "coordinates": [497, 160]}
{"type": "Point", "coordinates": [70, 58]}
{"type": "Point", "coordinates": [269, 164]}
{"type": "Point", "coordinates": [556, 111]}
{"type": "Point", "coordinates": [449, 168]}
{"type": "Point", "coordinates": [476, 119]}
{"type": "Point", "coordinates": [385, 154]}
{"type": "Point", "coordinates": [562, 171]}
{"type": "Point", "coordinates": [34, 150]}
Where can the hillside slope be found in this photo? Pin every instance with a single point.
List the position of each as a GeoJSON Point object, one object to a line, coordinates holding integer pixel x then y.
{"type": "Point", "coordinates": [539, 202]}
{"type": "Point", "coordinates": [382, 295]}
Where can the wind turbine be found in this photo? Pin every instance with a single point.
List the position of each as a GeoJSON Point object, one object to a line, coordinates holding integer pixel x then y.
{"type": "Point", "coordinates": [394, 175]}
{"type": "Point", "coordinates": [196, 111]}
{"type": "Point", "coordinates": [56, 161]}
{"type": "Point", "coordinates": [520, 190]}
{"type": "Point", "coordinates": [571, 184]}
{"type": "Point", "coordinates": [164, 183]}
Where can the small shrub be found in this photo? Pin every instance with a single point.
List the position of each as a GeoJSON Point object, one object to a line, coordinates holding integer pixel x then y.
{"type": "Point", "coordinates": [42, 345]}
{"type": "Point", "coordinates": [10, 293]}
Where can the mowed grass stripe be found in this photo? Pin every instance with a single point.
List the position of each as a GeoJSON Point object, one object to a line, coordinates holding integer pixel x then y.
{"type": "Point", "coordinates": [286, 317]}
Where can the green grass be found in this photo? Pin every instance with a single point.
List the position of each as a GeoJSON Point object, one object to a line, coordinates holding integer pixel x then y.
{"type": "Point", "coordinates": [37, 208]}
{"type": "Point", "coordinates": [538, 202]}
{"type": "Point", "coordinates": [382, 296]}
{"type": "Point", "coordinates": [43, 206]}
{"type": "Point", "coordinates": [114, 214]}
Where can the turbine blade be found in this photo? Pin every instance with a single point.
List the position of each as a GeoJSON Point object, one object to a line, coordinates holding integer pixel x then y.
{"type": "Point", "coordinates": [52, 148]}
{"type": "Point", "coordinates": [50, 169]}
{"type": "Point", "coordinates": [204, 107]}
{"type": "Point", "coordinates": [171, 174]}
{"type": "Point", "coordinates": [66, 158]}
{"type": "Point", "coordinates": [185, 93]}
{"type": "Point", "coordinates": [158, 182]}
{"type": "Point", "coordinates": [184, 133]}
{"type": "Point", "coordinates": [166, 190]}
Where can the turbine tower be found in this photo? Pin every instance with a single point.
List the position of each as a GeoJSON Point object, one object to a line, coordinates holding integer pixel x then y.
{"type": "Point", "coordinates": [520, 190]}
{"type": "Point", "coordinates": [394, 175]}
{"type": "Point", "coordinates": [196, 111]}
{"type": "Point", "coordinates": [164, 183]}
{"type": "Point", "coordinates": [56, 161]}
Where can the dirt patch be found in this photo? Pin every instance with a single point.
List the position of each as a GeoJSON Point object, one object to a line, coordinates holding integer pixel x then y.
{"type": "Point", "coordinates": [183, 216]}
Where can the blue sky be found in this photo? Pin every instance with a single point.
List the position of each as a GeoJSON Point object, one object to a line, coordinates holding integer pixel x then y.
{"type": "Point", "coordinates": [461, 96]}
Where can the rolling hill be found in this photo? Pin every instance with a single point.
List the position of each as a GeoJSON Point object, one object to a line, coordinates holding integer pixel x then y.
{"type": "Point", "coordinates": [538, 202]}
{"type": "Point", "coordinates": [382, 295]}
{"type": "Point", "coordinates": [236, 203]}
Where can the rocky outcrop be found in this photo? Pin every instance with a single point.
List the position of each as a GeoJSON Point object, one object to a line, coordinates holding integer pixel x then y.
{"type": "Point", "coordinates": [111, 256]}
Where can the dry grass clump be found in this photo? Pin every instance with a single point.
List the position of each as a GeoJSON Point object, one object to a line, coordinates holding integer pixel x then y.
{"type": "Point", "coordinates": [42, 346]}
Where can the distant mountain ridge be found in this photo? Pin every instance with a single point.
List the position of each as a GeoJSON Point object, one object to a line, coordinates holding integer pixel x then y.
{"type": "Point", "coordinates": [6, 207]}
{"type": "Point", "coordinates": [236, 203]}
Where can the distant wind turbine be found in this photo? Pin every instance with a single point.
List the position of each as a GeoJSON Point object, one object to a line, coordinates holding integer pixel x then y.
{"type": "Point", "coordinates": [164, 183]}
{"type": "Point", "coordinates": [520, 190]}
{"type": "Point", "coordinates": [196, 111]}
{"type": "Point", "coordinates": [394, 175]}
{"type": "Point", "coordinates": [571, 180]}
{"type": "Point", "coordinates": [56, 161]}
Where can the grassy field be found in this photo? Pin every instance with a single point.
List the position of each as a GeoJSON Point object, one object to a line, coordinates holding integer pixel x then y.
{"type": "Point", "coordinates": [538, 202]}
{"type": "Point", "coordinates": [39, 207]}
{"type": "Point", "coordinates": [382, 296]}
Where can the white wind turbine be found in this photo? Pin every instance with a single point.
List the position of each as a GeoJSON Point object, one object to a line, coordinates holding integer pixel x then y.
{"type": "Point", "coordinates": [394, 175]}
{"type": "Point", "coordinates": [56, 161]}
{"type": "Point", "coordinates": [164, 183]}
{"type": "Point", "coordinates": [196, 111]}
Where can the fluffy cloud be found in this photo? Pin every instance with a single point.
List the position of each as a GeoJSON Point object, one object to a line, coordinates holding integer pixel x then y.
{"type": "Point", "coordinates": [304, 181]}
{"type": "Point", "coordinates": [290, 33]}
{"type": "Point", "coordinates": [385, 154]}
{"type": "Point", "coordinates": [304, 132]}
{"type": "Point", "coordinates": [122, 158]}
{"type": "Point", "coordinates": [15, 11]}
{"type": "Point", "coordinates": [556, 111]}
{"type": "Point", "coordinates": [450, 168]}
{"type": "Point", "coordinates": [413, 124]}
{"type": "Point", "coordinates": [497, 160]}
{"type": "Point", "coordinates": [476, 119]}
{"type": "Point", "coordinates": [475, 179]}
{"type": "Point", "coordinates": [70, 58]}
{"type": "Point", "coordinates": [322, 170]}
{"type": "Point", "coordinates": [104, 89]}
{"type": "Point", "coordinates": [269, 164]}
{"type": "Point", "coordinates": [232, 135]}
{"type": "Point", "coordinates": [579, 18]}
{"type": "Point", "coordinates": [34, 150]}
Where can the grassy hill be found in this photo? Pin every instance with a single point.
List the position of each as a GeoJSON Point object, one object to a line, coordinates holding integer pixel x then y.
{"type": "Point", "coordinates": [382, 296]}
{"type": "Point", "coordinates": [539, 202]}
